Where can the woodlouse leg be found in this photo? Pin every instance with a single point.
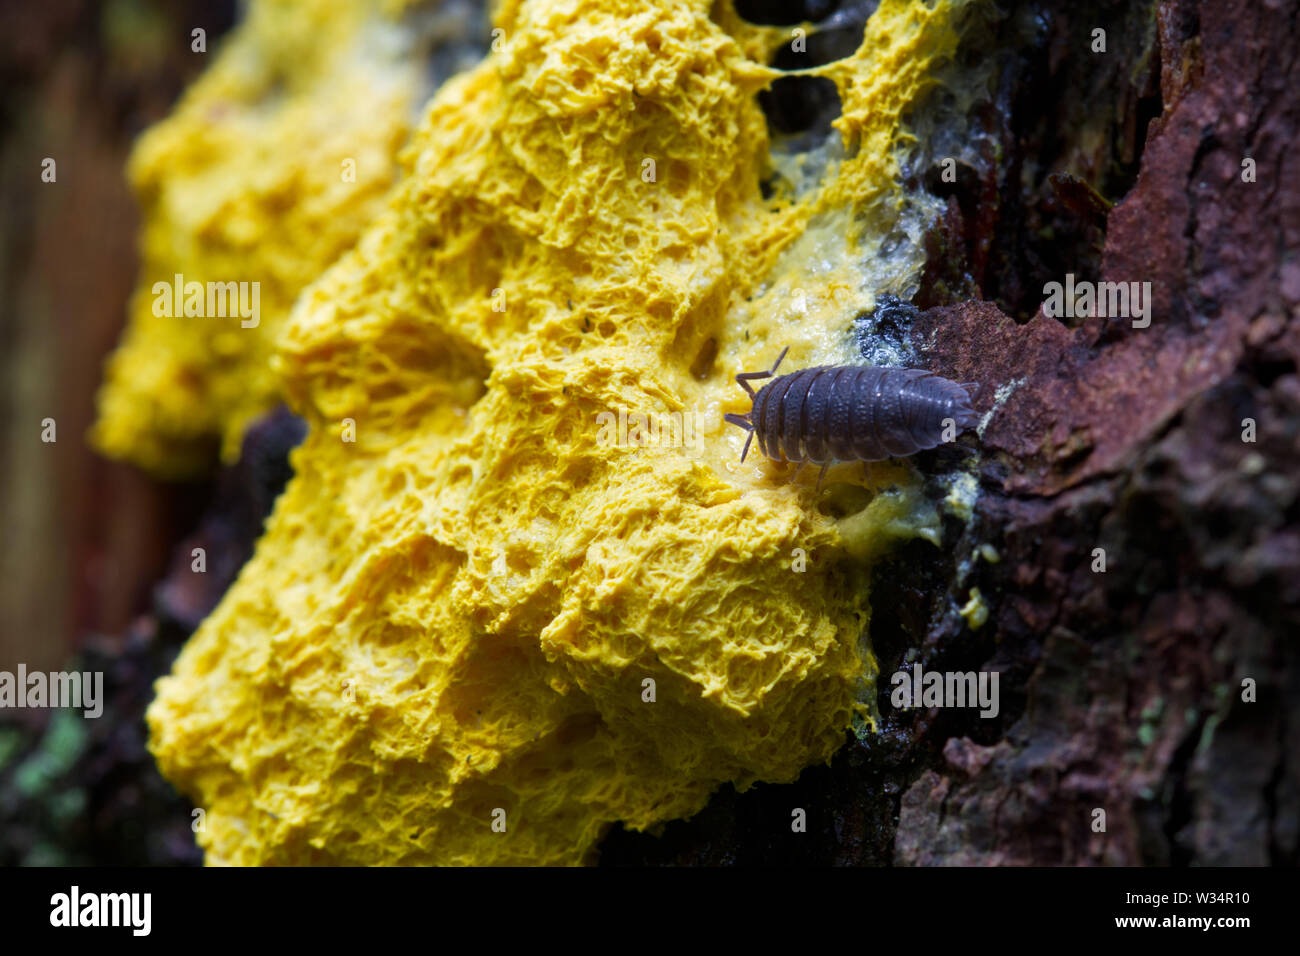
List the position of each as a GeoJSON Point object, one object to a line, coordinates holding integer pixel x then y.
{"type": "Point", "coordinates": [802, 465]}
{"type": "Point", "coordinates": [826, 464]}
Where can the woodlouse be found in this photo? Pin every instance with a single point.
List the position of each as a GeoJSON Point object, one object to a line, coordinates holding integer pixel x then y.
{"type": "Point", "coordinates": [850, 413]}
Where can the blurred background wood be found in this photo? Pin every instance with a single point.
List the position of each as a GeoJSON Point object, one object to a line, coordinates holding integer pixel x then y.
{"type": "Point", "coordinates": [84, 539]}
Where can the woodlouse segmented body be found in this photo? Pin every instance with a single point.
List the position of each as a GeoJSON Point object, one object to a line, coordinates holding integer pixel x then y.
{"type": "Point", "coordinates": [851, 413]}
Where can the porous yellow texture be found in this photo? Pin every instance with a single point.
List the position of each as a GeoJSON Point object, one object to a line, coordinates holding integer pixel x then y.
{"type": "Point", "coordinates": [246, 183]}
{"type": "Point", "coordinates": [486, 629]}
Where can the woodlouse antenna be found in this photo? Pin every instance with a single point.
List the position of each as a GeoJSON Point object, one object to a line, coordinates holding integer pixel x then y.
{"type": "Point", "coordinates": [743, 422]}
{"type": "Point", "coordinates": [744, 378]}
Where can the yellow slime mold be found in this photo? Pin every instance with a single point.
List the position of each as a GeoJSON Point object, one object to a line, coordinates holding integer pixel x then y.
{"type": "Point", "coordinates": [270, 167]}
{"type": "Point", "coordinates": [484, 623]}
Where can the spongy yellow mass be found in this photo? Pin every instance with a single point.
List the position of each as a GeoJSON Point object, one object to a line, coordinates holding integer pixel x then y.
{"type": "Point", "coordinates": [484, 630]}
{"type": "Point", "coordinates": [266, 172]}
